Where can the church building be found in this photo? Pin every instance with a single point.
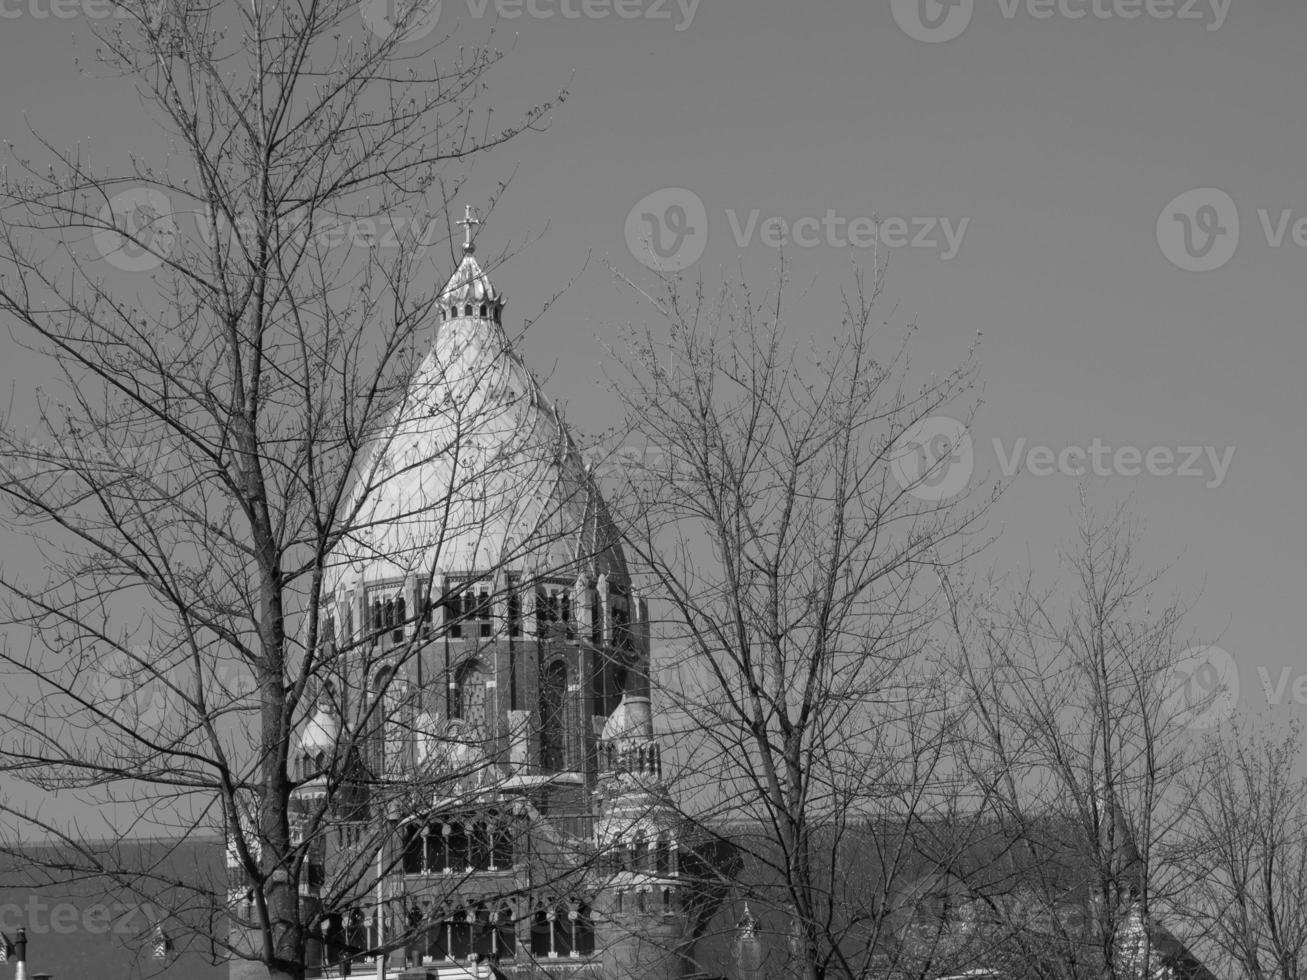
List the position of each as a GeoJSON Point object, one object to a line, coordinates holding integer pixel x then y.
{"type": "Point", "coordinates": [480, 785]}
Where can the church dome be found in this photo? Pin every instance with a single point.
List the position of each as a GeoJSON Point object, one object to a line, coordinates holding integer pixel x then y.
{"type": "Point", "coordinates": [474, 468]}
{"type": "Point", "coordinates": [321, 733]}
{"type": "Point", "coordinates": [631, 719]}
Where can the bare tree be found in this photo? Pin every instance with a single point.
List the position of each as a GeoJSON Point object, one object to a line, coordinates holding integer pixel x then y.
{"type": "Point", "coordinates": [232, 329]}
{"type": "Point", "coordinates": [1247, 859]}
{"type": "Point", "coordinates": [1078, 739]}
{"type": "Point", "coordinates": [791, 551]}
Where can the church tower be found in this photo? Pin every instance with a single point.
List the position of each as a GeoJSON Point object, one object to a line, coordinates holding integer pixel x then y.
{"type": "Point", "coordinates": [499, 804]}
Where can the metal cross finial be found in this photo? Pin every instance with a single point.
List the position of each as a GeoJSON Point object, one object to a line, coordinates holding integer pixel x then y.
{"type": "Point", "coordinates": [469, 220]}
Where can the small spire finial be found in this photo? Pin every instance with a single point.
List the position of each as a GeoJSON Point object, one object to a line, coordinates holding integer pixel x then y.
{"type": "Point", "coordinates": [469, 220]}
{"type": "Point", "coordinates": [748, 925]}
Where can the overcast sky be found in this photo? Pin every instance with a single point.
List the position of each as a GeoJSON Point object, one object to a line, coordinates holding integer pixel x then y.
{"type": "Point", "coordinates": [1027, 162]}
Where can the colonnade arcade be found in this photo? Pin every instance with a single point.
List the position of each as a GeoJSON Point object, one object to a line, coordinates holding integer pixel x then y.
{"type": "Point", "coordinates": [449, 845]}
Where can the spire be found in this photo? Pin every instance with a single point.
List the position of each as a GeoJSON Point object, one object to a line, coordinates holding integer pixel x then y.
{"type": "Point", "coordinates": [469, 286]}
{"type": "Point", "coordinates": [749, 952]}
{"type": "Point", "coordinates": [470, 220]}
{"type": "Point", "coordinates": [748, 925]}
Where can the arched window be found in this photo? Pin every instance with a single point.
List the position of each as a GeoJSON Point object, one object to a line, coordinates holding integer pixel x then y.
{"type": "Point", "coordinates": [663, 855]}
{"type": "Point", "coordinates": [469, 701]}
{"type": "Point", "coordinates": [562, 928]}
{"type": "Point", "coordinates": [667, 901]}
{"type": "Point", "coordinates": [401, 615]}
{"type": "Point", "coordinates": [504, 937]}
{"type": "Point", "coordinates": [482, 610]}
{"type": "Point", "coordinates": [415, 936]}
{"type": "Point", "coordinates": [376, 615]}
{"type": "Point", "coordinates": [483, 309]}
{"type": "Point", "coordinates": [413, 849]}
{"type": "Point", "coordinates": [460, 936]}
{"type": "Point", "coordinates": [437, 939]}
{"type": "Point", "coordinates": [457, 842]}
{"type": "Point", "coordinates": [361, 933]}
{"type": "Point", "coordinates": [584, 931]}
{"type": "Point", "coordinates": [502, 848]}
{"type": "Point", "coordinates": [483, 935]}
{"type": "Point", "coordinates": [640, 859]}
{"type": "Point", "coordinates": [479, 846]}
{"type": "Point", "coordinates": [467, 309]}
{"type": "Point", "coordinates": [553, 693]}
{"type": "Point", "coordinates": [540, 933]}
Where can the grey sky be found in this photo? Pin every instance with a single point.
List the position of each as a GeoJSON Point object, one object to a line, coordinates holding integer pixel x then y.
{"type": "Point", "coordinates": [1058, 141]}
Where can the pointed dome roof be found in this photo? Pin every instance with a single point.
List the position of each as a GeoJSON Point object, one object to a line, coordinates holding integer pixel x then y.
{"type": "Point", "coordinates": [474, 468]}
{"type": "Point", "coordinates": [470, 284]}
{"type": "Point", "coordinates": [322, 731]}
{"type": "Point", "coordinates": [631, 719]}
